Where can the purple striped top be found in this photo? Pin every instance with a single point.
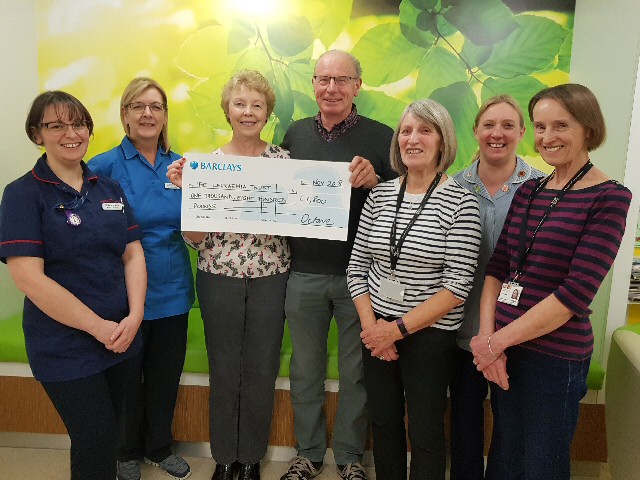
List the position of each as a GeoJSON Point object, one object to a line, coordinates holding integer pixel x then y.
{"type": "Point", "coordinates": [572, 252]}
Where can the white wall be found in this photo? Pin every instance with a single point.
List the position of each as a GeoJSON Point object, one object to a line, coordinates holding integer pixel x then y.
{"type": "Point", "coordinates": [18, 87]}
{"type": "Point", "coordinates": [606, 51]}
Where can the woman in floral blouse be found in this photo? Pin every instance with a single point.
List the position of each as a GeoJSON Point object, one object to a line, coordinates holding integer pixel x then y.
{"type": "Point", "coordinates": [241, 282]}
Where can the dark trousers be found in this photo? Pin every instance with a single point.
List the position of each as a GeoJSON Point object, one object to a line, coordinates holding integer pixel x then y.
{"type": "Point", "coordinates": [146, 426]}
{"type": "Point", "coordinates": [243, 324]}
{"type": "Point", "coordinates": [420, 377]}
{"type": "Point", "coordinates": [91, 408]}
{"type": "Point", "coordinates": [468, 391]}
{"type": "Point", "coordinates": [534, 421]}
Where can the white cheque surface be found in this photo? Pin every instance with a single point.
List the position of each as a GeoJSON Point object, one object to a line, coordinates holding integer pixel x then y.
{"type": "Point", "coordinates": [298, 198]}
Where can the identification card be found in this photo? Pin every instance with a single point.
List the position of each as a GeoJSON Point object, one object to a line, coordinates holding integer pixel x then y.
{"type": "Point", "coordinates": [170, 186]}
{"type": "Point", "coordinates": [392, 289]}
{"type": "Point", "coordinates": [510, 293]}
{"type": "Point", "coordinates": [112, 206]}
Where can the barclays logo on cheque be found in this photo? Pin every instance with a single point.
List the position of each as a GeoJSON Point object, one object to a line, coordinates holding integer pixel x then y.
{"type": "Point", "coordinates": [230, 167]}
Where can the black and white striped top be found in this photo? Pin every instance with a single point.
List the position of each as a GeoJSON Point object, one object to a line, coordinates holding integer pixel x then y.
{"type": "Point", "coordinates": [440, 251]}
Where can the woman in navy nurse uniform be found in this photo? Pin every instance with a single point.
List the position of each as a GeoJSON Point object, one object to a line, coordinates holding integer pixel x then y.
{"type": "Point", "coordinates": [72, 246]}
{"type": "Point", "coordinates": [140, 164]}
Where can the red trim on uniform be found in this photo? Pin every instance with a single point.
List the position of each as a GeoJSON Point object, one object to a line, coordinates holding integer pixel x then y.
{"type": "Point", "coordinates": [21, 241]}
{"type": "Point", "coordinates": [132, 227]}
{"type": "Point", "coordinates": [33, 172]}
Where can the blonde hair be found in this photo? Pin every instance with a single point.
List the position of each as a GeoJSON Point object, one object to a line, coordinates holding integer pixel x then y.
{"type": "Point", "coordinates": [431, 112]}
{"type": "Point", "coordinates": [502, 98]}
{"type": "Point", "coordinates": [497, 100]}
{"type": "Point", "coordinates": [133, 91]}
{"type": "Point", "coordinates": [251, 80]}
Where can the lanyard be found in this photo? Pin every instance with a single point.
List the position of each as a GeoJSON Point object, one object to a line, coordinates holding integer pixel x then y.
{"type": "Point", "coordinates": [522, 251]}
{"type": "Point", "coordinates": [68, 208]}
{"type": "Point", "coordinates": [394, 249]}
{"type": "Point", "coordinates": [75, 204]}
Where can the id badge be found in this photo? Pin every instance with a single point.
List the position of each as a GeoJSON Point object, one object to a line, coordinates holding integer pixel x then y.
{"type": "Point", "coordinates": [392, 289]}
{"type": "Point", "coordinates": [510, 293]}
{"type": "Point", "coordinates": [112, 206]}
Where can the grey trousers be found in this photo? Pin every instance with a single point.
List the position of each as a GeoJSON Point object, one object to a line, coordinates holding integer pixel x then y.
{"type": "Point", "coordinates": [243, 324]}
{"type": "Point", "coordinates": [312, 300]}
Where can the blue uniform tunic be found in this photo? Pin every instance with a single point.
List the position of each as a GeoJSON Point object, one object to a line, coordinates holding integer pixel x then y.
{"type": "Point", "coordinates": [493, 212]}
{"type": "Point", "coordinates": [85, 259]}
{"type": "Point", "coordinates": [157, 208]}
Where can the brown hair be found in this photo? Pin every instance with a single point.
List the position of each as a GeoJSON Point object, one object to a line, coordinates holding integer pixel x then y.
{"type": "Point", "coordinates": [133, 91]}
{"type": "Point", "coordinates": [582, 104]}
{"type": "Point", "coordinates": [251, 80]}
{"type": "Point", "coordinates": [59, 100]}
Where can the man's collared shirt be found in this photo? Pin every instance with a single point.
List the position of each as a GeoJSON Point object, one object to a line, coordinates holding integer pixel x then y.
{"type": "Point", "coordinates": [338, 129]}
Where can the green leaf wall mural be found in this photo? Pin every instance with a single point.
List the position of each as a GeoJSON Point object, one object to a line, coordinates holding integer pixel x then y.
{"type": "Point", "coordinates": [458, 52]}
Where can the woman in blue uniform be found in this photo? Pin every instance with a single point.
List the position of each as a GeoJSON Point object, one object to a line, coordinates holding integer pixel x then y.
{"type": "Point", "coordinates": [140, 164]}
{"type": "Point", "coordinates": [72, 246]}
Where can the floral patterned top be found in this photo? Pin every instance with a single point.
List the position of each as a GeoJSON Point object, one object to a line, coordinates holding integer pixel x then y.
{"type": "Point", "coordinates": [244, 254]}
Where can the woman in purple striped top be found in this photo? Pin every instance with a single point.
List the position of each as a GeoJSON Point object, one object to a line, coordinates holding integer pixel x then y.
{"type": "Point", "coordinates": [560, 238]}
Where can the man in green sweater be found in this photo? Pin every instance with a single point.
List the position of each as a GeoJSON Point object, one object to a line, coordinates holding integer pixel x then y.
{"type": "Point", "coordinates": [317, 288]}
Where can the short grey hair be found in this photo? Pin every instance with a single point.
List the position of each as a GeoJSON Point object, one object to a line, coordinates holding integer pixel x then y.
{"type": "Point", "coordinates": [356, 63]}
{"type": "Point", "coordinates": [431, 112]}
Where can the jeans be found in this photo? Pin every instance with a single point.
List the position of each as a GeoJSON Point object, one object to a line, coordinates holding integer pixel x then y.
{"type": "Point", "coordinates": [420, 378]}
{"type": "Point", "coordinates": [468, 391]}
{"type": "Point", "coordinates": [91, 408]}
{"type": "Point", "coordinates": [312, 299]}
{"type": "Point", "coordinates": [534, 421]}
{"type": "Point", "coordinates": [146, 428]}
{"type": "Point", "coordinates": [243, 325]}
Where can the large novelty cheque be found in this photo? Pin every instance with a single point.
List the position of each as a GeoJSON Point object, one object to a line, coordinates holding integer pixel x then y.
{"type": "Point", "coordinates": [298, 198]}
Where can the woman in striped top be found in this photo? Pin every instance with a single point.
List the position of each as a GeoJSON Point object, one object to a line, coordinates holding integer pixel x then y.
{"type": "Point", "coordinates": [559, 240]}
{"type": "Point", "coordinates": [411, 268]}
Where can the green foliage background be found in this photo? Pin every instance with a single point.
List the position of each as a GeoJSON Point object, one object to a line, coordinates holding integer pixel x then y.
{"type": "Point", "coordinates": [458, 52]}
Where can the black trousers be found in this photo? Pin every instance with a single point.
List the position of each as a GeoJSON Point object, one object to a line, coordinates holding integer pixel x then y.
{"type": "Point", "coordinates": [147, 421]}
{"type": "Point", "coordinates": [90, 408]}
{"type": "Point", "coordinates": [420, 378]}
{"type": "Point", "coordinates": [468, 391]}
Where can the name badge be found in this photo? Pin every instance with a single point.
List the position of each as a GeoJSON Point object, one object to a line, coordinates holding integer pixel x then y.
{"type": "Point", "coordinates": [112, 206]}
{"type": "Point", "coordinates": [170, 186]}
{"type": "Point", "coordinates": [510, 293]}
{"type": "Point", "coordinates": [392, 289]}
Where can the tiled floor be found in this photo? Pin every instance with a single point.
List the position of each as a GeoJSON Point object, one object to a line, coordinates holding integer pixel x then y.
{"type": "Point", "coordinates": [50, 464]}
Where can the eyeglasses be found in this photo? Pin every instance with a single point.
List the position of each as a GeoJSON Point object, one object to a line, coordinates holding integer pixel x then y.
{"type": "Point", "coordinates": [141, 107]}
{"type": "Point", "coordinates": [324, 80]}
{"type": "Point", "coordinates": [61, 127]}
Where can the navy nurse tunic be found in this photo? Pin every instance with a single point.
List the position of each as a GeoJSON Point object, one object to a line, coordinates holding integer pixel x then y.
{"type": "Point", "coordinates": [85, 259]}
